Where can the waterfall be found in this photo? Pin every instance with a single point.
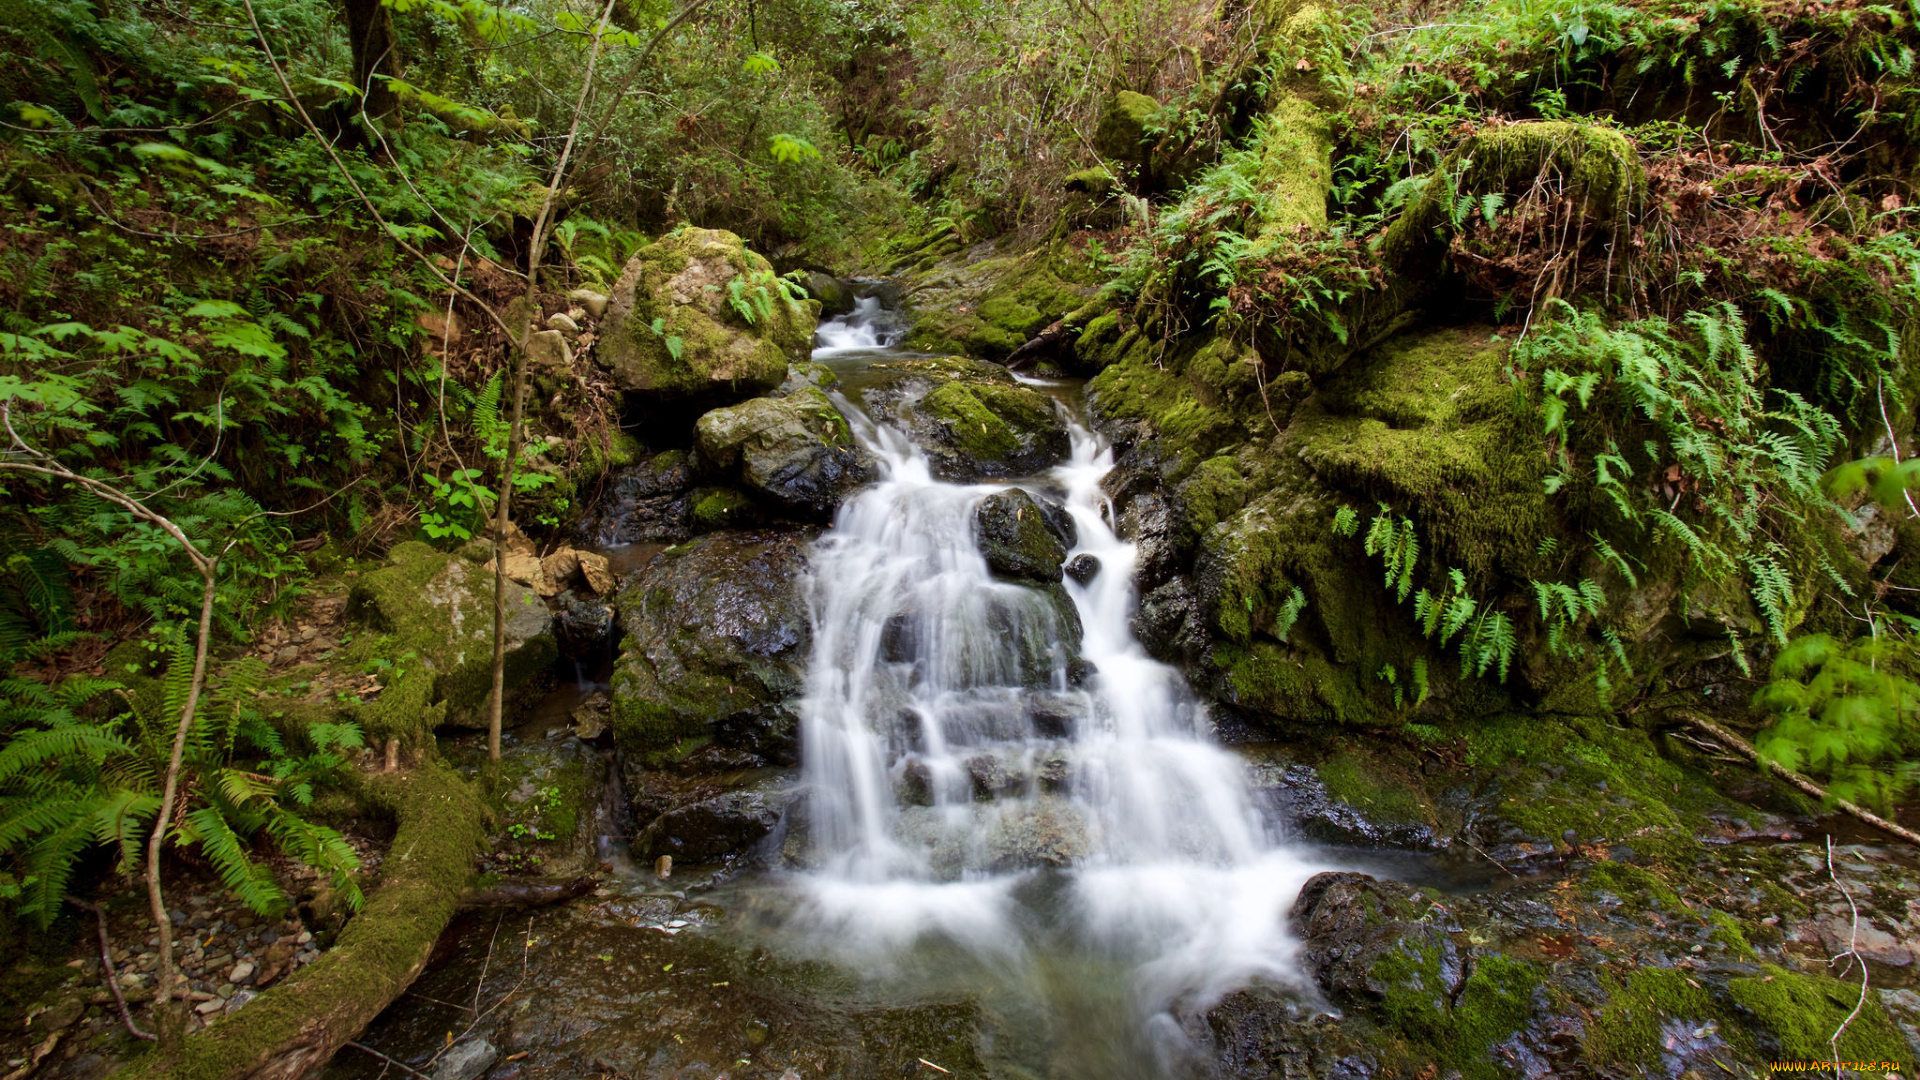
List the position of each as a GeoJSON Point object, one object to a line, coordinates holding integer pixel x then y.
{"type": "Point", "coordinates": [870, 325]}
{"type": "Point", "coordinates": [975, 785]}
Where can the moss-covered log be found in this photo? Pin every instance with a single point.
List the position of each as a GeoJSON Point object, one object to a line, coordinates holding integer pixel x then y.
{"type": "Point", "coordinates": [295, 1028]}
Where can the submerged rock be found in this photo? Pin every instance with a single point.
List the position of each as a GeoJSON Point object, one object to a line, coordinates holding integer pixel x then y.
{"type": "Point", "coordinates": [1017, 538]}
{"type": "Point", "coordinates": [439, 607]}
{"type": "Point", "coordinates": [971, 417]}
{"type": "Point", "coordinates": [716, 632]}
{"type": "Point", "coordinates": [796, 450]}
{"type": "Point", "coordinates": [696, 314]}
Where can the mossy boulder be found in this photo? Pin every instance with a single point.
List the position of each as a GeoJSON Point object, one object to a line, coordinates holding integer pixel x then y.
{"type": "Point", "coordinates": [716, 645]}
{"type": "Point", "coordinates": [697, 315]}
{"type": "Point", "coordinates": [990, 304]}
{"type": "Point", "coordinates": [1122, 133]}
{"type": "Point", "coordinates": [1019, 538]}
{"type": "Point", "coordinates": [438, 608]}
{"type": "Point", "coordinates": [795, 451]}
{"type": "Point", "coordinates": [971, 417]}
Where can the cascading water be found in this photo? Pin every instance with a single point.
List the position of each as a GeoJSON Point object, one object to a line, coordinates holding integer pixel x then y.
{"type": "Point", "coordinates": [977, 790]}
{"type": "Point", "coordinates": [869, 326]}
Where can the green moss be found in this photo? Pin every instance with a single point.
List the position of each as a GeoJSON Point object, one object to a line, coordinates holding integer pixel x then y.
{"type": "Point", "coordinates": [990, 307]}
{"type": "Point", "coordinates": [1728, 932]}
{"type": "Point", "coordinates": [720, 508]}
{"type": "Point", "coordinates": [1382, 791]}
{"type": "Point", "coordinates": [1122, 131]}
{"type": "Point", "coordinates": [1600, 168]}
{"type": "Point", "coordinates": [1458, 1032]}
{"type": "Point", "coordinates": [1296, 170]}
{"type": "Point", "coordinates": [1801, 1012]}
{"type": "Point", "coordinates": [1096, 181]}
{"type": "Point", "coordinates": [988, 421]}
{"type": "Point", "coordinates": [685, 281]}
{"type": "Point", "coordinates": [378, 954]}
{"type": "Point", "coordinates": [1608, 785]}
{"type": "Point", "coordinates": [1297, 685]}
{"type": "Point", "coordinates": [437, 612]}
{"type": "Point", "coordinates": [1628, 1030]}
{"type": "Point", "coordinates": [1638, 890]}
{"type": "Point", "coordinates": [1427, 424]}
{"type": "Point", "coordinates": [1215, 491]}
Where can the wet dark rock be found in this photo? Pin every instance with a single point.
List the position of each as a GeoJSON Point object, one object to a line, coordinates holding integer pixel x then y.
{"type": "Point", "coordinates": [770, 732]}
{"type": "Point", "coordinates": [1054, 716]}
{"type": "Point", "coordinates": [582, 624]}
{"type": "Point", "coordinates": [1170, 623]}
{"type": "Point", "coordinates": [647, 503]}
{"type": "Point", "coordinates": [718, 826]}
{"type": "Point", "coordinates": [1082, 568]}
{"type": "Point", "coordinates": [971, 417]}
{"type": "Point", "coordinates": [1300, 797]}
{"type": "Point", "coordinates": [1016, 538]}
{"type": "Point", "coordinates": [796, 451]}
{"type": "Point", "coordinates": [1150, 522]}
{"type": "Point", "coordinates": [990, 777]}
{"type": "Point", "coordinates": [915, 786]}
{"type": "Point", "coordinates": [715, 632]}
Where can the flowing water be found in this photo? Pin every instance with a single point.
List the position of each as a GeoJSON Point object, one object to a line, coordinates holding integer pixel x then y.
{"type": "Point", "coordinates": [1019, 853]}
{"type": "Point", "coordinates": [979, 802]}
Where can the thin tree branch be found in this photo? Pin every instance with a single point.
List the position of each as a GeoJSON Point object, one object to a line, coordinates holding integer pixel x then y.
{"type": "Point", "coordinates": [106, 969]}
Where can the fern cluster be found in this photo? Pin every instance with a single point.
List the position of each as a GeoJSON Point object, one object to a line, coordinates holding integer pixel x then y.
{"type": "Point", "coordinates": [1685, 442]}
{"type": "Point", "coordinates": [83, 763]}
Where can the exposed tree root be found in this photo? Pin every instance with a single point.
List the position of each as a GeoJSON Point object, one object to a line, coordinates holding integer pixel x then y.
{"type": "Point", "coordinates": [293, 1029]}
{"type": "Point", "coordinates": [1745, 749]}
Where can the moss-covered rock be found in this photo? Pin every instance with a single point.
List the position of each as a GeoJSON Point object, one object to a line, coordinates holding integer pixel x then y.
{"type": "Point", "coordinates": [1122, 133]}
{"type": "Point", "coordinates": [972, 418]}
{"type": "Point", "coordinates": [796, 450]}
{"type": "Point", "coordinates": [696, 314]}
{"type": "Point", "coordinates": [1019, 539]}
{"type": "Point", "coordinates": [438, 608]}
{"type": "Point", "coordinates": [716, 643]}
{"type": "Point", "coordinates": [989, 306]}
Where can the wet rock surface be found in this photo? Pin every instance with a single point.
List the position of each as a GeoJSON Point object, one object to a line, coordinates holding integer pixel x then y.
{"type": "Point", "coordinates": [971, 417]}
{"type": "Point", "coordinates": [796, 451]}
{"type": "Point", "coordinates": [1019, 539]}
{"type": "Point", "coordinates": [701, 824]}
{"type": "Point", "coordinates": [650, 502]}
{"type": "Point", "coordinates": [716, 638]}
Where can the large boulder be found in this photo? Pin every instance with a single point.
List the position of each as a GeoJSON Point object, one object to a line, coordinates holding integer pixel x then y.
{"type": "Point", "coordinates": [439, 610]}
{"type": "Point", "coordinates": [796, 451]}
{"type": "Point", "coordinates": [971, 417]}
{"type": "Point", "coordinates": [1019, 539]}
{"type": "Point", "coordinates": [716, 645]}
{"type": "Point", "coordinates": [705, 825]}
{"type": "Point", "coordinates": [991, 304]}
{"type": "Point", "coordinates": [697, 315]}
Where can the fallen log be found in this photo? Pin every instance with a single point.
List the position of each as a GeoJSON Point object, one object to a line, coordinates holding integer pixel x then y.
{"type": "Point", "coordinates": [1745, 749]}
{"type": "Point", "coordinates": [528, 892]}
{"type": "Point", "coordinates": [294, 1029]}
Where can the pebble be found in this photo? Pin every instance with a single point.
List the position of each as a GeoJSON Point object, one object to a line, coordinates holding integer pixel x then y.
{"type": "Point", "coordinates": [209, 1006]}
{"type": "Point", "coordinates": [241, 972]}
{"type": "Point", "coordinates": [466, 1060]}
{"type": "Point", "coordinates": [562, 322]}
{"type": "Point", "coordinates": [305, 936]}
{"type": "Point", "coordinates": [240, 999]}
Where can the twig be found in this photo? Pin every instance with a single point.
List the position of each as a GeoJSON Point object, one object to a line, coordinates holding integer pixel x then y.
{"type": "Point", "coordinates": [1745, 749]}
{"type": "Point", "coordinates": [1853, 951]}
{"type": "Point", "coordinates": [107, 972]}
{"type": "Point", "coordinates": [1879, 391]}
{"type": "Point", "coordinates": [403, 1066]}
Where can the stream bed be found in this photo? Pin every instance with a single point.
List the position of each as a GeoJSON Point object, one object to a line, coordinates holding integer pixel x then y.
{"type": "Point", "coordinates": [1019, 851]}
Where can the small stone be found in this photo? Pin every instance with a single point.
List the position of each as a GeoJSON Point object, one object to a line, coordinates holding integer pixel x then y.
{"type": "Point", "coordinates": [239, 1000]}
{"type": "Point", "coordinates": [209, 1006]}
{"type": "Point", "coordinates": [305, 937]}
{"type": "Point", "coordinates": [595, 303]}
{"type": "Point", "coordinates": [241, 972]}
{"type": "Point", "coordinates": [224, 991]}
{"type": "Point", "coordinates": [1082, 568]}
{"type": "Point", "coordinates": [466, 1060]}
{"type": "Point", "coordinates": [562, 322]}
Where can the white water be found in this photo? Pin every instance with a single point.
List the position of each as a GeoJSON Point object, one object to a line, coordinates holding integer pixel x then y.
{"type": "Point", "coordinates": [1115, 829]}
{"type": "Point", "coordinates": [868, 326]}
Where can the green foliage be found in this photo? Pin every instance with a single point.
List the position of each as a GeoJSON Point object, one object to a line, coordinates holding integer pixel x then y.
{"type": "Point", "coordinates": [1695, 407]}
{"type": "Point", "coordinates": [77, 773]}
{"type": "Point", "coordinates": [1398, 545]}
{"type": "Point", "coordinates": [1848, 712]}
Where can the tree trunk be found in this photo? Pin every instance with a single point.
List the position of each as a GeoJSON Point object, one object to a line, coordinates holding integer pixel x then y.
{"type": "Point", "coordinates": [292, 1030]}
{"type": "Point", "coordinates": [370, 33]}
